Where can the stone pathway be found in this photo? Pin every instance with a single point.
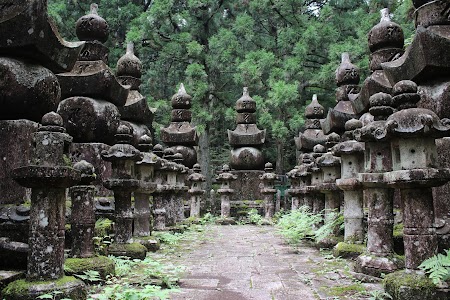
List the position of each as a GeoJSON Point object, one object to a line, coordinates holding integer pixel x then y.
{"type": "Point", "coordinates": [250, 262]}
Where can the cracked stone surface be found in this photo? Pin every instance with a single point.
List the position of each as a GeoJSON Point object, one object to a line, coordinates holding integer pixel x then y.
{"type": "Point", "coordinates": [250, 262]}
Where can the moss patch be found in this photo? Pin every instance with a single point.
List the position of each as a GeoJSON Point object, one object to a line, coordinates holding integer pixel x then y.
{"type": "Point", "coordinates": [133, 250]}
{"type": "Point", "coordinates": [346, 250]}
{"type": "Point", "coordinates": [103, 265]}
{"type": "Point", "coordinates": [70, 287]}
{"type": "Point", "coordinates": [345, 290]}
{"type": "Point", "coordinates": [402, 285]}
{"type": "Point", "coordinates": [398, 230]}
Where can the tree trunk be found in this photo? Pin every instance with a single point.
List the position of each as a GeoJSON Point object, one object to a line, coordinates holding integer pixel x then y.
{"type": "Point", "coordinates": [280, 157]}
{"type": "Point", "coordinates": [204, 158]}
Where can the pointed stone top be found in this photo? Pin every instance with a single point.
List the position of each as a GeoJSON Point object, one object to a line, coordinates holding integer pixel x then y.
{"type": "Point", "coordinates": [385, 15]}
{"type": "Point", "coordinates": [314, 110]}
{"type": "Point", "coordinates": [386, 34]}
{"type": "Point", "coordinates": [129, 64]}
{"type": "Point", "coordinates": [181, 99]}
{"type": "Point", "coordinates": [92, 27]}
{"type": "Point", "coordinates": [347, 73]}
{"type": "Point", "coordinates": [245, 103]}
{"type": "Point", "coordinates": [123, 135]}
{"type": "Point", "coordinates": [268, 167]}
{"type": "Point", "coordinates": [145, 143]}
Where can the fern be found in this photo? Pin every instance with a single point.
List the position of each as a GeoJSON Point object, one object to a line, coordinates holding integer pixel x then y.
{"type": "Point", "coordinates": [298, 225]}
{"type": "Point", "coordinates": [332, 222]}
{"type": "Point", "coordinates": [437, 267]}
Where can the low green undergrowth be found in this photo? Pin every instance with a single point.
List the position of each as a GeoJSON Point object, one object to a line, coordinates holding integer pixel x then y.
{"type": "Point", "coordinates": [301, 224]}
{"type": "Point", "coordinates": [437, 267]}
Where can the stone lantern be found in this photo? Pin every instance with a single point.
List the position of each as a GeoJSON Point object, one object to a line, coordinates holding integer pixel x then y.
{"type": "Point", "coordinates": [268, 190]}
{"type": "Point", "coordinates": [145, 173]}
{"type": "Point", "coordinates": [294, 190]}
{"type": "Point", "coordinates": [412, 132]}
{"type": "Point", "coordinates": [352, 163]}
{"type": "Point", "coordinates": [123, 156]}
{"type": "Point", "coordinates": [380, 258]}
{"type": "Point", "coordinates": [225, 191]}
{"type": "Point", "coordinates": [195, 190]}
{"type": "Point", "coordinates": [83, 256]}
{"type": "Point", "coordinates": [316, 181]}
{"type": "Point", "coordinates": [162, 189]}
{"type": "Point", "coordinates": [181, 187]}
{"type": "Point", "coordinates": [415, 169]}
{"type": "Point", "coordinates": [48, 176]}
{"type": "Point", "coordinates": [330, 166]}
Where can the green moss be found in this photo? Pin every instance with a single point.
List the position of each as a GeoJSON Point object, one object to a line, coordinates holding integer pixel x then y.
{"type": "Point", "coordinates": [259, 202]}
{"type": "Point", "coordinates": [402, 285]}
{"type": "Point", "coordinates": [133, 250]}
{"type": "Point", "coordinates": [398, 230]}
{"type": "Point", "coordinates": [342, 290]}
{"type": "Point", "coordinates": [22, 289]}
{"type": "Point", "coordinates": [102, 264]}
{"type": "Point", "coordinates": [67, 160]}
{"type": "Point", "coordinates": [347, 250]}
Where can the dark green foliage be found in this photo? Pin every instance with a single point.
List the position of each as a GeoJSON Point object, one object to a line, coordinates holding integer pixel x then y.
{"type": "Point", "coordinates": [283, 50]}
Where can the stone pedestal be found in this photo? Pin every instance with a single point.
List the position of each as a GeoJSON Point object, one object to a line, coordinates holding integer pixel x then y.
{"type": "Point", "coordinates": [15, 150]}
{"type": "Point", "coordinates": [91, 152]}
{"type": "Point", "coordinates": [247, 186]}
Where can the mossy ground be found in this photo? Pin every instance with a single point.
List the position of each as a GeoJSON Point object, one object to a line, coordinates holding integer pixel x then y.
{"type": "Point", "coordinates": [101, 264]}
{"type": "Point", "coordinates": [70, 287]}
{"type": "Point", "coordinates": [132, 250]}
{"type": "Point", "coordinates": [409, 286]}
{"type": "Point", "coordinates": [347, 250]}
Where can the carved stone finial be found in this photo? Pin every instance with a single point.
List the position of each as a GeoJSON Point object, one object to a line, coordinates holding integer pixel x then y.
{"type": "Point", "coordinates": [92, 27]}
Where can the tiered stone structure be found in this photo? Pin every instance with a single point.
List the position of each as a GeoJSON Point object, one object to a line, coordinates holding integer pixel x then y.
{"type": "Point", "coordinates": [48, 176]}
{"type": "Point", "coordinates": [268, 190]}
{"type": "Point", "coordinates": [427, 63]}
{"type": "Point", "coordinates": [386, 42]}
{"type": "Point", "coordinates": [316, 181]}
{"type": "Point", "coordinates": [415, 171]}
{"type": "Point", "coordinates": [380, 258]}
{"type": "Point", "coordinates": [313, 134]}
{"type": "Point", "coordinates": [31, 48]}
{"type": "Point", "coordinates": [195, 191]}
{"type": "Point", "coordinates": [330, 166]}
{"type": "Point", "coordinates": [347, 80]}
{"type": "Point", "coordinates": [352, 163]}
{"type": "Point", "coordinates": [246, 156]}
{"type": "Point", "coordinates": [83, 216]}
{"type": "Point", "coordinates": [180, 135]}
{"type": "Point", "coordinates": [225, 191]}
{"type": "Point", "coordinates": [305, 142]}
{"type": "Point", "coordinates": [82, 223]}
{"type": "Point", "coordinates": [122, 182]}
{"type": "Point", "coordinates": [145, 173]}
{"type": "Point", "coordinates": [412, 132]}
{"type": "Point", "coordinates": [136, 110]}
{"type": "Point", "coordinates": [92, 95]}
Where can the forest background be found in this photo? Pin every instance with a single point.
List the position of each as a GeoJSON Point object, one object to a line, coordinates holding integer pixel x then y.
{"type": "Point", "coordinates": [283, 50]}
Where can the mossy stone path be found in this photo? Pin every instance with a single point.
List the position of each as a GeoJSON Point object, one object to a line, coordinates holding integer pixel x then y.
{"type": "Point", "coordinates": [251, 262]}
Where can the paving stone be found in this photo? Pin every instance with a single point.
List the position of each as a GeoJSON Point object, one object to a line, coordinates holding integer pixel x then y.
{"type": "Point", "coordinates": [248, 262]}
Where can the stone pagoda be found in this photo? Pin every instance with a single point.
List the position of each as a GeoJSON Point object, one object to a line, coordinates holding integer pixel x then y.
{"type": "Point", "coordinates": [48, 176]}
{"type": "Point", "coordinates": [427, 62]}
{"type": "Point", "coordinates": [246, 157]}
{"type": "Point", "coordinates": [386, 42]}
{"type": "Point", "coordinates": [136, 110]}
{"type": "Point", "coordinates": [180, 135]}
{"type": "Point", "coordinates": [92, 95]}
{"type": "Point", "coordinates": [313, 135]}
{"type": "Point", "coordinates": [195, 191]}
{"type": "Point", "coordinates": [123, 182]}
{"type": "Point", "coordinates": [31, 51]}
{"type": "Point", "coordinates": [347, 80]}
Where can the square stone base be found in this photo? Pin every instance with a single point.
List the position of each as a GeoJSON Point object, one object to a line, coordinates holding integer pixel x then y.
{"type": "Point", "coordinates": [247, 186]}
